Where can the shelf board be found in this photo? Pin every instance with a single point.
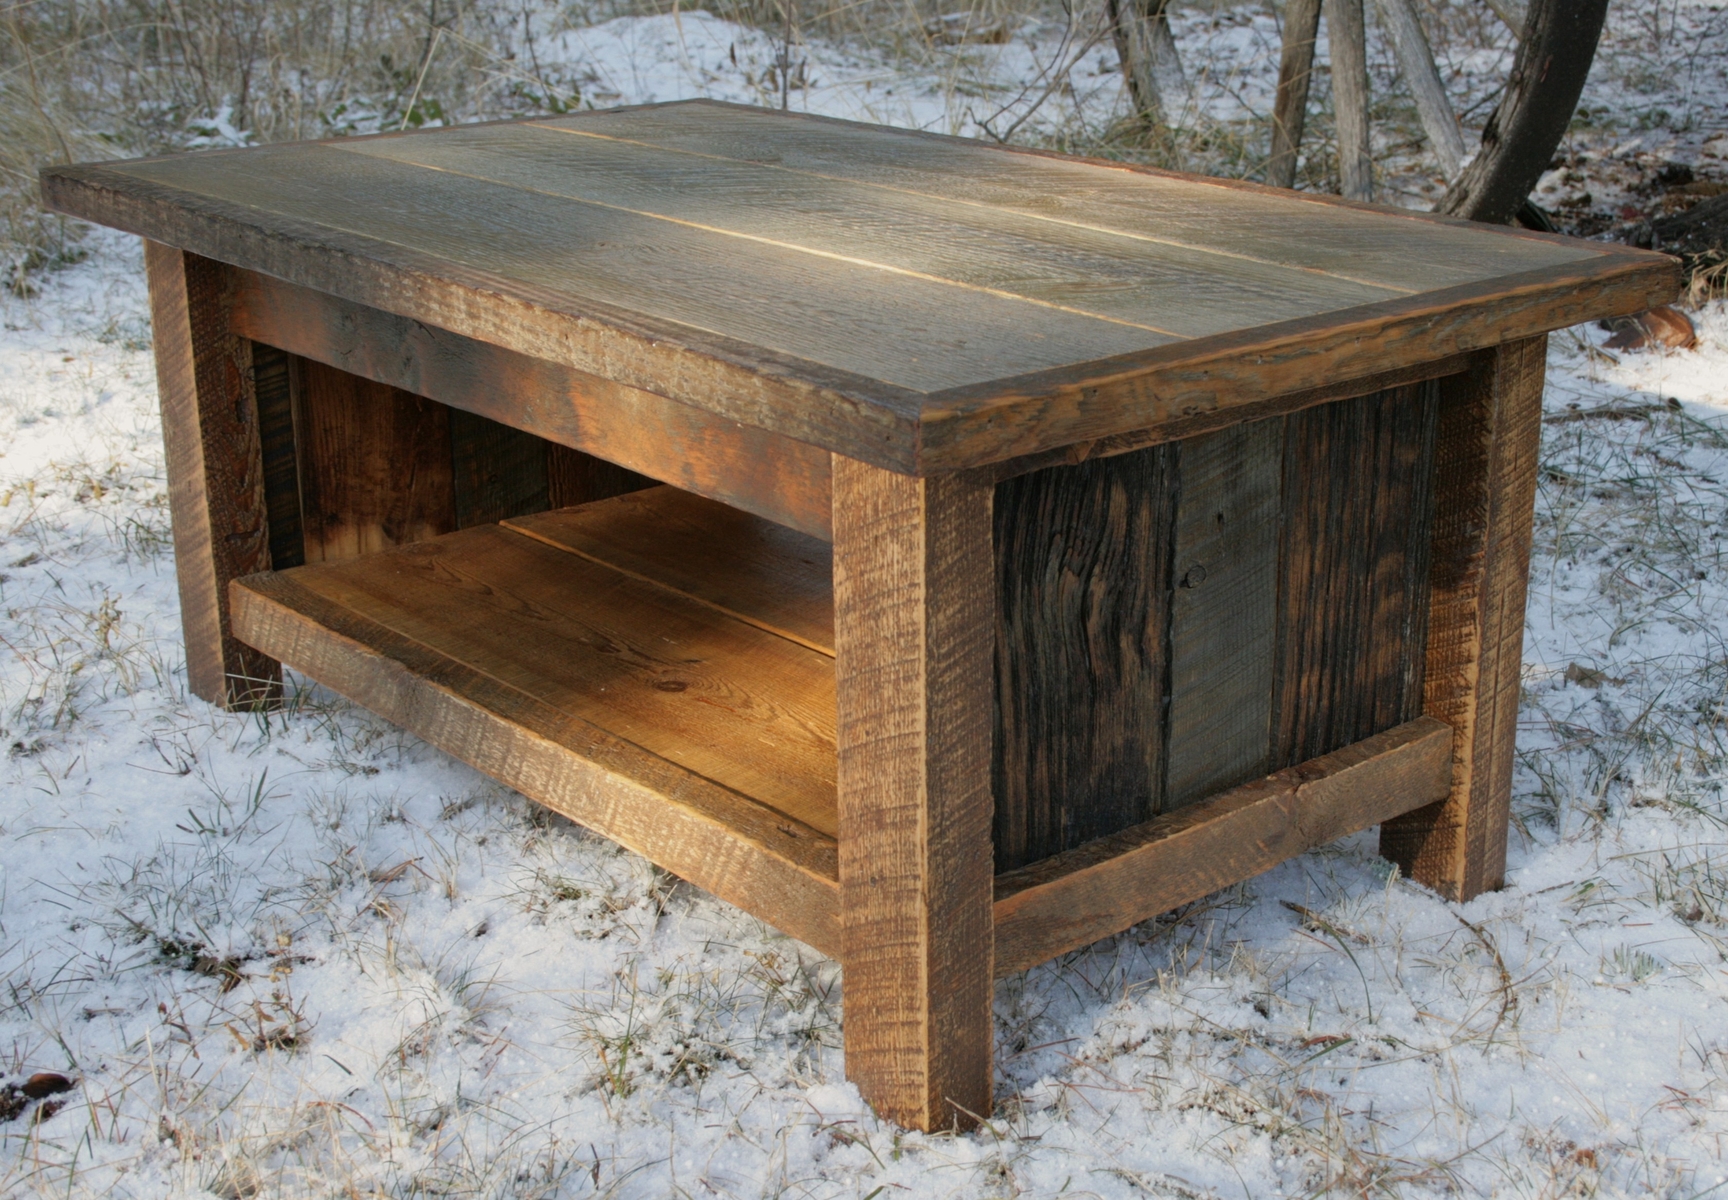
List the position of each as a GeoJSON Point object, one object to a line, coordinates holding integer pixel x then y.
{"type": "Point", "coordinates": [680, 726]}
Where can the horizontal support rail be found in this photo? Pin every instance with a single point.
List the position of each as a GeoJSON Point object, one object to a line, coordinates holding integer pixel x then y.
{"type": "Point", "coordinates": [760, 472]}
{"type": "Point", "coordinates": [1106, 886]}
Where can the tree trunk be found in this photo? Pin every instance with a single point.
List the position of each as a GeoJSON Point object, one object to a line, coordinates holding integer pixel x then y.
{"type": "Point", "coordinates": [1150, 65]}
{"type": "Point", "coordinates": [1347, 36]}
{"type": "Point", "coordinates": [1416, 63]}
{"type": "Point", "coordinates": [1519, 140]}
{"type": "Point", "coordinates": [1295, 69]}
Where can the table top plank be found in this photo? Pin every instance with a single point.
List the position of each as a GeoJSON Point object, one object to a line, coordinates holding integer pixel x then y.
{"type": "Point", "coordinates": [918, 302]}
{"type": "Point", "coordinates": [1167, 289]}
{"type": "Point", "coordinates": [1388, 247]}
{"type": "Point", "coordinates": [911, 332]}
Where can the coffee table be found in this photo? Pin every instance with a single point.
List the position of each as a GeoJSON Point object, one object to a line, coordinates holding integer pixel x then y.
{"type": "Point", "coordinates": [1048, 542]}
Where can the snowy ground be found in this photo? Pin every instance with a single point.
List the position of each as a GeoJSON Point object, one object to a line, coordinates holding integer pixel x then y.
{"type": "Point", "coordinates": [306, 955]}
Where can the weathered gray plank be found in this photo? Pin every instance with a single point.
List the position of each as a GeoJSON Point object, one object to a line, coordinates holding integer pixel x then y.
{"type": "Point", "coordinates": [905, 330]}
{"type": "Point", "coordinates": [1168, 287]}
{"type": "Point", "coordinates": [1223, 610]}
{"type": "Point", "coordinates": [1394, 250]}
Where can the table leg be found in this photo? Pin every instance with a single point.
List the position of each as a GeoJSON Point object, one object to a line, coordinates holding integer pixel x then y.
{"type": "Point", "coordinates": [1486, 455]}
{"type": "Point", "coordinates": [914, 590]}
{"type": "Point", "coordinates": [215, 469]}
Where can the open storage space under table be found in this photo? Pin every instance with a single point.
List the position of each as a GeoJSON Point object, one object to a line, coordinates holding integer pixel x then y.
{"type": "Point", "coordinates": [660, 668]}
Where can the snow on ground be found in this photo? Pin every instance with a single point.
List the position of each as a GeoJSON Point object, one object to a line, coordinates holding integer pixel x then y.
{"type": "Point", "coordinates": [304, 954]}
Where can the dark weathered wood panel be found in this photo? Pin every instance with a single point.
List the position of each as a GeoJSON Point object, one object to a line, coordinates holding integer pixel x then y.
{"type": "Point", "coordinates": [1083, 587]}
{"type": "Point", "coordinates": [496, 471]}
{"type": "Point", "coordinates": [746, 467]}
{"type": "Point", "coordinates": [1106, 886]}
{"type": "Point", "coordinates": [1357, 513]}
{"type": "Point", "coordinates": [216, 492]}
{"type": "Point", "coordinates": [275, 384]}
{"type": "Point", "coordinates": [1223, 610]}
{"type": "Point", "coordinates": [375, 465]}
{"type": "Point", "coordinates": [573, 477]}
{"type": "Point", "coordinates": [1486, 459]}
{"type": "Point", "coordinates": [913, 606]}
{"type": "Point", "coordinates": [738, 849]}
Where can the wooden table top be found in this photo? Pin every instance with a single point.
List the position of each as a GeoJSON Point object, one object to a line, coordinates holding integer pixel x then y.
{"type": "Point", "coordinates": [922, 302]}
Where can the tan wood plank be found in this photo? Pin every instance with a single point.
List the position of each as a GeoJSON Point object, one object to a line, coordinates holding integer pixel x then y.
{"type": "Point", "coordinates": [759, 572]}
{"type": "Point", "coordinates": [1405, 250]}
{"type": "Point", "coordinates": [1158, 284]}
{"type": "Point", "coordinates": [1486, 453]}
{"type": "Point", "coordinates": [375, 465]}
{"type": "Point", "coordinates": [1223, 610]}
{"type": "Point", "coordinates": [216, 496]}
{"type": "Point", "coordinates": [749, 468]}
{"type": "Point", "coordinates": [906, 331]}
{"type": "Point", "coordinates": [1082, 663]}
{"type": "Point", "coordinates": [741, 851]}
{"type": "Point", "coordinates": [913, 585]}
{"type": "Point", "coordinates": [751, 711]}
{"type": "Point", "coordinates": [1111, 884]}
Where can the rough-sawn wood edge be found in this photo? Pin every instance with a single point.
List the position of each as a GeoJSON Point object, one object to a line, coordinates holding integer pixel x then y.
{"type": "Point", "coordinates": [870, 420]}
{"type": "Point", "coordinates": [1101, 888]}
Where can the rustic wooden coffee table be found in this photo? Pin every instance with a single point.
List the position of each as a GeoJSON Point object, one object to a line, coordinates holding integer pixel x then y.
{"type": "Point", "coordinates": [1050, 543]}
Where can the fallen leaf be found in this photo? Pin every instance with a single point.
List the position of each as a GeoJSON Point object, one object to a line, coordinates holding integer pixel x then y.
{"type": "Point", "coordinates": [1664, 326]}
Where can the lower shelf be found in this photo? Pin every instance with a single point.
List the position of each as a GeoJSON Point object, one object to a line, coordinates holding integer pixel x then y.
{"type": "Point", "coordinates": [659, 668]}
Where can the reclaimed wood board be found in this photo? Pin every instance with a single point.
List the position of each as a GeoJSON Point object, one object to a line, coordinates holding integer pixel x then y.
{"type": "Point", "coordinates": [375, 465]}
{"type": "Point", "coordinates": [1223, 610]}
{"type": "Point", "coordinates": [275, 383]}
{"type": "Point", "coordinates": [496, 471]}
{"type": "Point", "coordinates": [737, 848]}
{"type": "Point", "coordinates": [760, 572]}
{"type": "Point", "coordinates": [1358, 507]}
{"type": "Point", "coordinates": [217, 499]}
{"type": "Point", "coordinates": [913, 584]}
{"type": "Point", "coordinates": [1082, 658]}
{"type": "Point", "coordinates": [919, 303]}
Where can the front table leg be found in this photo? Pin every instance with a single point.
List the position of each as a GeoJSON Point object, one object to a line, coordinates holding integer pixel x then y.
{"type": "Point", "coordinates": [914, 596]}
{"type": "Point", "coordinates": [215, 469]}
{"type": "Point", "coordinates": [1486, 452]}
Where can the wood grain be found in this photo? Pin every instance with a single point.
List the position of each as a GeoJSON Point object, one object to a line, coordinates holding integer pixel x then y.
{"type": "Point", "coordinates": [1083, 601]}
{"type": "Point", "coordinates": [375, 465]}
{"type": "Point", "coordinates": [755, 570]}
{"type": "Point", "coordinates": [1223, 610]}
{"type": "Point", "coordinates": [574, 477]}
{"type": "Point", "coordinates": [1486, 455]}
{"type": "Point", "coordinates": [1347, 39]}
{"type": "Point", "coordinates": [749, 468]}
{"type": "Point", "coordinates": [716, 838]}
{"type": "Point", "coordinates": [749, 710]}
{"type": "Point", "coordinates": [913, 584]}
{"type": "Point", "coordinates": [216, 486]}
{"type": "Point", "coordinates": [1106, 886]}
{"type": "Point", "coordinates": [496, 471]}
{"type": "Point", "coordinates": [1357, 510]}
